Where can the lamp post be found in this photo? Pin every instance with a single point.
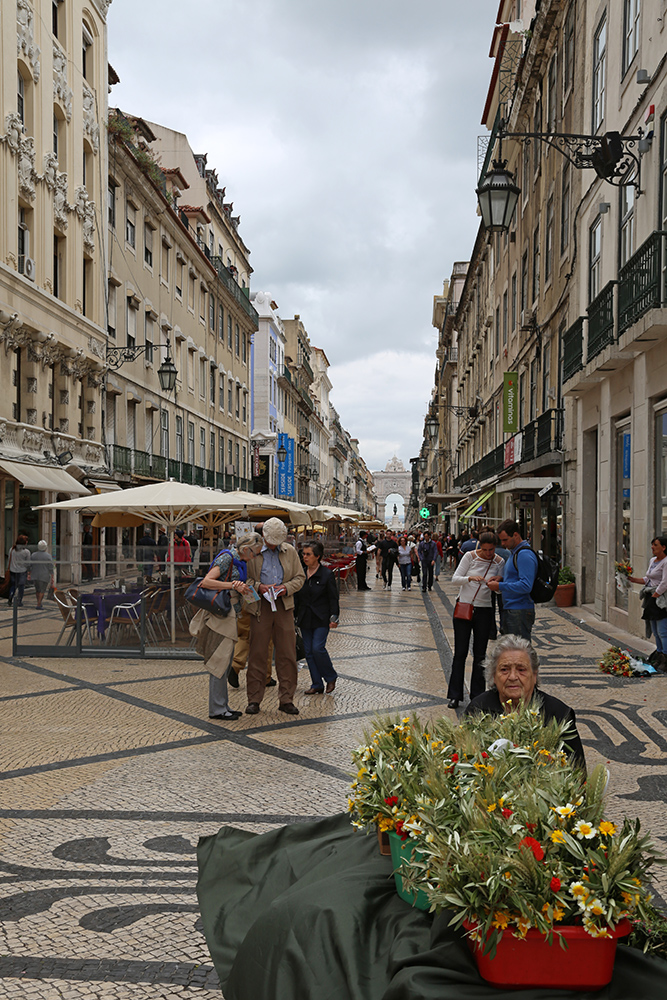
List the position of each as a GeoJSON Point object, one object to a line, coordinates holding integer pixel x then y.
{"type": "Point", "coordinates": [167, 373]}
{"type": "Point", "coordinates": [497, 195]}
{"type": "Point", "coordinates": [282, 453]}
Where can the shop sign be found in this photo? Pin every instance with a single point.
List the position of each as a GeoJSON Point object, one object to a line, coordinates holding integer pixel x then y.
{"type": "Point", "coordinates": [286, 468]}
{"type": "Point", "coordinates": [510, 402]}
{"type": "Point", "coordinates": [255, 460]}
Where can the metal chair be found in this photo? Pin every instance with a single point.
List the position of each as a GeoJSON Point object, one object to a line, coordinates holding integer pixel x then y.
{"type": "Point", "coordinates": [67, 608]}
{"type": "Point", "coordinates": [123, 615]}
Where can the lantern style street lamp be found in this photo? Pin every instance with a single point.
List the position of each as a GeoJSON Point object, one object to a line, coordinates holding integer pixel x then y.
{"type": "Point", "coordinates": [497, 196]}
{"type": "Point", "coordinates": [432, 427]}
{"type": "Point", "coordinates": [282, 453]}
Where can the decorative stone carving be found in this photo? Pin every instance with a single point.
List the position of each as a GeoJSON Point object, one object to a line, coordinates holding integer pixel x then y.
{"type": "Point", "coordinates": [102, 6]}
{"type": "Point", "coordinates": [31, 384]}
{"type": "Point", "coordinates": [60, 205]}
{"type": "Point", "coordinates": [25, 36]}
{"type": "Point", "coordinates": [64, 397]}
{"type": "Point", "coordinates": [91, 406]}
{"type": "Point", "coordinates": [27, 172]}
{"type": "Point", "coordinates": [13, 132]}
{"type": "Point", "coordinates": [3, 429]}
{"type": "Point", "coordinates": [90, 126]}
{"type": "Point", "coordinates": [61, 91]}
{"type": "Point", "coordinates": [48, 285]}
{"type": "Point", "coordinates": [31, 418]}
{"type": "Point", "coordinates": [94, 456]}
{"type": "Point", "coordinates": [33, 440]}
{"type": "Point", "coordinates": [11, 261]}
{"type": "Point", "coordinates": [85, 209]}
{"type": "Point", "coordinates": [63, 425]}
{"type": "Point", "coordinates": [50, 170]}
{"type": "Point", "coordinates": [96, 347]}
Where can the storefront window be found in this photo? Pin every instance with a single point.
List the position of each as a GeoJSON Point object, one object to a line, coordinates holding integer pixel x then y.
{"type": "Point", "coordinates": [661, 473]}
{"type": "Point", "coordinates": [623, 503]}
{"type": "Point", "coordinates": [9, 515]}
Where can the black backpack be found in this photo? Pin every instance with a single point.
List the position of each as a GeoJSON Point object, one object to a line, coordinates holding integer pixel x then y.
{"type": "Point", "coordinates": [546, 579]}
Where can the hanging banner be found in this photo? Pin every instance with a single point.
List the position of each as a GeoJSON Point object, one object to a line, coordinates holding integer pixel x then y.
{"type": "Point", "coordinates": [286, 468]}
{"type": "Point", "coordinates": [510, 402]}
{"type": "Point", "coordinates": [255, 460]}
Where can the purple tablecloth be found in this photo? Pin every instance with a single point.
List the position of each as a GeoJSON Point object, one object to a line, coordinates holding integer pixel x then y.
{"type": "Point", "coordinates": [102, 605]}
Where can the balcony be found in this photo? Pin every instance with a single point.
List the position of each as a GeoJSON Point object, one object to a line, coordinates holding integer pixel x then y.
{"type": "Point", "coordinates": [158, 467]}
{"type": "Point", "coordinates": [540, 437]}
{"type": "Point", "coordinates": [601, 321]}
{"type": "Point", "coordinates": [573, 349]}
{"type": "Point", "coordinates": [642, 282]}
{"type": "Point", "coordinates": [306, 400]}
{"type": "Point", "coordinates": [199, 476]}
{"type": "Point", "coordinates": [234, 289]}
{"type": "Point", "coordinates": [285, 376]}
{"type": "Point", "coordinates": [306, 367]}
{"type": "Point", "coordinates": [122, 459]}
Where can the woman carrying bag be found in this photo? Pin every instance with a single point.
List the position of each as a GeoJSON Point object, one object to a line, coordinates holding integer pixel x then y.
{"type": "Point", "coordinates": [654, 600]}
{"type": "Point", "coordinates": [316, 611]}
{"type": "Point", "coordinates": [474, 615]}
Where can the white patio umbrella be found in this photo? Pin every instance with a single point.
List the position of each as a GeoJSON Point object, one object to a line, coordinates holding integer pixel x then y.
{"type": "Point", "coordinates": [172, 504]}
{"type": "Point", "coordinates": [339, 513]}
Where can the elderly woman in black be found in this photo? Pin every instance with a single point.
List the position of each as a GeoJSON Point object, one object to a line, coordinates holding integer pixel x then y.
{"type": "Point", "coordinates": [316, 611]}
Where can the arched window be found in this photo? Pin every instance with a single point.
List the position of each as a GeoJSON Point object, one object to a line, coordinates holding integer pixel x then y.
{"type": "Point", "coordinates": [86, 52]}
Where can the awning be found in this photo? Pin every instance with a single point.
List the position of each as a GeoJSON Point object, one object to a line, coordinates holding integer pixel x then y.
{"type": "Point", "coordinates": [104, 485]}
{"type": "Point", "coordinates": [459, 503]}
{"type": "Point", "coordinates": [43, 477]}
{"type": "Point", "coordinates": [526, 483]}
{"type": "Point", "coordinates": [477, 502]}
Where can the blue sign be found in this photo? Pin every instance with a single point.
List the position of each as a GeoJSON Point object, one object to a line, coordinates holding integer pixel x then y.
{"type": "Point", "coordinates": [626, 455]}
{"type": "Point", "coordinates": [286, 468]}
{"type": "Point", "coordinates": [626, 494]}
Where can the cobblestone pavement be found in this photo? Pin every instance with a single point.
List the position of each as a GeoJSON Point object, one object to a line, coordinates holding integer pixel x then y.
{"type": "Point", "coordinates": [110, 770]}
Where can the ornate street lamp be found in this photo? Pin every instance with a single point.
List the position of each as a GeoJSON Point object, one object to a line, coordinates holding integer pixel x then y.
{"type": "Point", "coordinates": [432, 427]}
{"type": "Point", "coordinates": [423, 463]}
{"type": "Point", "coordinates": [497, 196]}
{"type": "Point", "coordinates": [282, 453]}
{"type": "Point", "coordinates": [167, 373]}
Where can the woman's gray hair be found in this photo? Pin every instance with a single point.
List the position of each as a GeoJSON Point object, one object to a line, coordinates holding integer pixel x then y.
{"type": "Point", "coordinates": [249, 541]}
{"type": "Point", "coordinates": [505, 644]}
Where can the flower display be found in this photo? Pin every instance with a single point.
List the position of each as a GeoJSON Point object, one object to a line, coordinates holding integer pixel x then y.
{"type": "Point", "coordinates": [504, 842]}
{"type": "Point", "coordinates": [616, 662]}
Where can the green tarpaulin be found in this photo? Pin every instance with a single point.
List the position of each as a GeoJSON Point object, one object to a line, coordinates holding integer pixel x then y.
{"type": "Point", "coordinates": [310, 912]}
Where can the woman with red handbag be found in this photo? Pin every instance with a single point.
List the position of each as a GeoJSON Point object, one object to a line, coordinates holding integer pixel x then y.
{"type": "Point", "coordinates": [473, 615]}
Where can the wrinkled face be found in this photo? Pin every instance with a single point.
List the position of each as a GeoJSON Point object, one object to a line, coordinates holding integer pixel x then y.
{"type": "Point", "coordinates": [515, 677]}
{"type": "Point", "coordinates": [309, 558]}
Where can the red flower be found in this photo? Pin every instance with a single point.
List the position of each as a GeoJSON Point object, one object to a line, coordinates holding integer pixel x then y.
{"type": "Point", "coordinates": [554, 885]}
{"type": "Point", "coordinates": [534, 846]}
{"type": "Point", "coordinates": [484, 753]}
{"type": "Point", "coordinates": [392, 801]}
{"type": "Point", "coordinates": [531, 826]}
{"type": "Point", "coordinates": [506, 812]}
{"type": "Point", "coordinates": [403, 834]}
{"type": "Point", "coordinates": [455, 757]}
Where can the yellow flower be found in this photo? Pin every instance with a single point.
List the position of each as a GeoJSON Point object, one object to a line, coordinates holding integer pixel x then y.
{"type": "Point", "coordinates": [523, 925]}
{"type": "Point", "coordinates": [386, 824]}
{"type": "Point", "coordinates": [595, 907]}
{"type": "Point", "coordinates": [606, 828]}
{"type": "Point", "coordinates": [361, 772]}
{"type": "Point", "coordinates": [579, 890]}
{"type": "Point", "coordinates": [508, 876]}
{"type": "Point", "coordinates": [558, 837]}
{"type": "Point", "coordinates": [559, 913]}
{"type": "Point", "coordinates": [491, 807]}
{"type": "Point", "coordinates": [350, 805]}
{"type": "Point", "coordinates": [429, 838]}
{"type": "Point", "coordinates": [500, 919]}
{"type": "Point", "coordinates": [584, 830]}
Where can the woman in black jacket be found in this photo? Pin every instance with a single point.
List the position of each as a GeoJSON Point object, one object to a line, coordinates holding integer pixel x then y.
{"type": "Point", "coordinates": [316, 606]}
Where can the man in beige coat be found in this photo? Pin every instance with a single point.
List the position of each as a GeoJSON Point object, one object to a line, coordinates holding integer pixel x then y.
{"type": "Point", "coordinates": [276, 570]}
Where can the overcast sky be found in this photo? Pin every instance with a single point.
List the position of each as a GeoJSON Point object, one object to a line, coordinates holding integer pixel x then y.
{"type": "Point", "coordinates": [345, 133]}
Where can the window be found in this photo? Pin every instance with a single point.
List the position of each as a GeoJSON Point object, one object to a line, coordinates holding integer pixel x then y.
{"type": "Point", "coordinates": [58, 267]}
{"type": "Point", "coordinates": [537, 127]}
{"type": "Point", "coordinates": [111, 197]}
{"type": "Point", "coordinates": [513, 297]}
{"type": "Point", "coordinates": [497, 344]}
{"type": "Point", "coordinates": [237, 340]}
{"type": "Point", "coordinates": [568, 49]}
{"type": "Point", "coordinates": [236, 456]}
{"type": "Point", "coordinates": [179, 439]}
{"type": "Point", "coordinates": [23, 239]}
{"type": "Point", "coordinates": [131, 323]}
{"type": "Point", "coordinates": [663, 196]}
{"type": "Point", "coordinates": [191, 370]}
{"type": "Point", "coordinates": [551, 96]}
{"type": "Point", "coordinates": [221, 451]}
{"type": "Point", "coordinates": [164, 433]}
{"type": "Point", "coordinates": [536, 263]}
{"type": "Point", "coordinates": [238, 403]}
{"type": "Point", "coordinates": [20, 97]}
{"type": "Point", "coordinates": [148, 244]}
{"type": "Point", "coordinates": [549, 241]}
{"type": "Point", "coordinates": [599, 73]}
{"type": "Point", "coordinates": [55, 18]}
{"type": "Point", "coordinates": [111, 310]}
{"type": "Point", "coordinates": [164, 266]}
{"type": "Point", "coordinates": [179, 278]}
{"type": "Point", "coordinates": [661, 473]}
{"type": "Point", "coordinates": [86, 52]}
{"type": "Point", "coordinates": [202, 378]}
{"type": "Point", "coordinates": [202, 447]}
{"type": "Point", "coordinates": [533, 388]}
{"type": "Point", "coordinates": [594, 258]}
{"type": "Point", "coordinates": [229, 453]}
{"type": "Point", "coordinates": [56, 134]}
{"type": "Point", "coordinates": [221, 392]}
{"type": "Point", "coordinates": [211, 379]}
{"type": "Point", "coordinates": [526, 170]}
{"type": "Point", "coordinates": [212, 451]}
{"type": "Point", "coordinates": [191, 299]}
{"type": "Point", "coordinates": [229, 332]}
{"type": "Point", "coordinates": [272, 349]}
{"type": "Point", "coordinates": [130, 224]}
{"type": "Point", "coordinates": [244, 413]}
{"type": "Point", "coordinates": [202, 304]}
{"type": "Point", "coordinates": [230, 390]}
{"type": "Point", "coordinates": [149, 336]}
{"type": "Point", "coordinates": [244, 349]}
{"type": "Point", "coordinates": [191, 442]}
{"type": "Point", "coordinates": [505, 317]}
{"type": "Point", "coordinates": [565, 208]}
{"type": "Point", "coordinates": [221, 323]}
{"type": "Point", "coordinates": [211, 312]}
{"type": "Point", "coordinates": [631, 14]}
{"type": "Point", "coordinates": [244, 468]}
{"type": "Point", "coordinates": [627, 241]}
{"type": "Point", "coordinates": [87, 291]}
{"type": "Point", "coordinates": [546, 372]}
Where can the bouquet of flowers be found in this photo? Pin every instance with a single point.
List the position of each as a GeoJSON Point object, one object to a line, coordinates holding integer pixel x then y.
{"type": "Point", "coordinates": [507, 831]}
{"type": "Point", "coordinates": [616, 661]}
{"type": "Point", "coordinates": [623, 574]}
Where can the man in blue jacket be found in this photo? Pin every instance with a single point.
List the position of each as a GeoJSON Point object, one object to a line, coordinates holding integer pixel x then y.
{"type": "Point", "coordinates": [427, 551]}
{"type": "Point", "coordinates": [518, 614]}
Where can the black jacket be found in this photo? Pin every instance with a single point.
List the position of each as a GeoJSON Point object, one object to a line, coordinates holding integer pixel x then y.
{"type": "Point", "coordinates": [317, 601]}
{"type": "Point", "coordinates": [552, 708]}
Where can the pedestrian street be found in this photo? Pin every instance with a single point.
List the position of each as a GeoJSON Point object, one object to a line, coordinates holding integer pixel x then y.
{"type": "Point", "coordinates": [111, 770]}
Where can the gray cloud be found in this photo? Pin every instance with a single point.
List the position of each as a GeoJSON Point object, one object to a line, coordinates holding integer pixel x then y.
{"type": "Point", "coordinates": [346, 135]}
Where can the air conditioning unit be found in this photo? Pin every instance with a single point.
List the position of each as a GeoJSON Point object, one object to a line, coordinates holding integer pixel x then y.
{"type": "Point", "coordinates": [29, 268]}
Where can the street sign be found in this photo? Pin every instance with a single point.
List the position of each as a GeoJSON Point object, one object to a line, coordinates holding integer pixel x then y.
{"type": "Point", "coordinates": [424, 512]}
{"type": "Point", "coordinates": [510, 402]}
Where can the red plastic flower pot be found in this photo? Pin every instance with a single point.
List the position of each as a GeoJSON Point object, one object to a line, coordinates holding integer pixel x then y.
{"type": "Point", "coordinates": [587, 964]}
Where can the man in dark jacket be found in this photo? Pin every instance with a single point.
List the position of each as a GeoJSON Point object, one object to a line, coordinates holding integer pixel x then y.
{"type": "Point", "coordinates": [146, 553]}
{"type": "Point", "coordinates": [427, 551]}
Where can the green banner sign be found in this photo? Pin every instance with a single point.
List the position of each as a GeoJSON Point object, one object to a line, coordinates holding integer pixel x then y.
{"type": "Point", "coordinates": [510, 402]}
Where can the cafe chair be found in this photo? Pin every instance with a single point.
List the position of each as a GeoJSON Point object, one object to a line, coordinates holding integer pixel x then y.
{"type": "Point", "coordinates": [67, 608]}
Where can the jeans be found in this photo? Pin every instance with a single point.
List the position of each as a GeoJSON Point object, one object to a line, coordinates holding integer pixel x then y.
{"type": "Point", "coordinates": [659, 629]}
{"type": "Point", "coordinates": [517, 621]}
{"type": "Point", "coordinates": [482, 628]}
{"type": "Point", "coordinates": [427, 575]}
{"type": "Point", "coordinates": [406, 574]}
{"type": "Point", "coordinates": [319, 662]}
{"type": "Point", "coordinates": [17, 582]}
